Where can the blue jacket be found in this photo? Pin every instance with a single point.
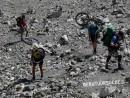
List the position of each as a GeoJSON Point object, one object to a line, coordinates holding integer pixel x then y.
{"type": "Point", "coordinates": [92, 29]}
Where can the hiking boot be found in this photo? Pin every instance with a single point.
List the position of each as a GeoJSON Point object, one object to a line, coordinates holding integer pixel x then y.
{"type": "Point", "coordinates": [106, 67]}
{"type": "Point", "coordinates": [41, 77]}
{"type": "Point", "coordinates": [115, 70]}
{"type": "Point", "coordinates": [94, 52]}
{"type": "Point", "coordinates": [33, 78]}
{"type": "Point", "coordinates": [120, 68]}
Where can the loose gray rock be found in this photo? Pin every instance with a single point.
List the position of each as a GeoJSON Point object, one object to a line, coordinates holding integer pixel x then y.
{"type": "Point", "coordinates": [107, 91]}
{"type": "Point", "coordinates": [64, 40]}
{"type": "Point", "coordinates": [1, 13]}
{"type": "Point", "coordinates": [55, 13]}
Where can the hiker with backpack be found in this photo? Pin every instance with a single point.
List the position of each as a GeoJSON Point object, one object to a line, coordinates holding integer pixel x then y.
{"type": "Point", "coordinates": [93, 33]}
{"type": "Point", "coordinates": [22, 24]}
{"type": "Point", "coordinates": [112, 40]}
{"type": "Point", "coordinates": [37, 56]}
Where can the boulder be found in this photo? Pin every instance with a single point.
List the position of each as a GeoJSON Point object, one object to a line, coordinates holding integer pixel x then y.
{"type": "Point", "coordinates": [119, 15]}
{"type": "Point", "coordinates": [28, 88]}
{"type": "Point", "coordinates": [117, 11]}
{"type": "Point", "coordinates": [55, 13]}
{"type": "Point", "coordinates": [64, 40]}
{"type": "Point", "coordinates": [107, 91]}
{"type": "Point", "coordinates": [72, 73]}
{"type": "Point", "coordinates": [94, 95]}
{"type": "Point", "coordinates": [127, 51]}
{"type": "Point", "coordinates": [19, 87]}
{"type": "Point", "coordinates": [127, 79]}
{"type": "Point", "coordinates": [30, 11]}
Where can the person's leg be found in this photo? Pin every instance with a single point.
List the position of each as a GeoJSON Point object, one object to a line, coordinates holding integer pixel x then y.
{"type": "Point", "coordinates": [41, 68]}
{"type": "Point", "coordinates": [94, 47]}
{"type": "Point", "coordinates": [94, 42]}
{"type": "Point", "coordinates": [33, 71]}
{"type": "Point", "coordinates": [119, 62]}
{"type": "Point", "coordinates": [108, 57]}
{"type": "Point", "coordinates": [26, 32]}
{"type": "Point", "coordinates": [107, 61]}
{"type": "Point", "coordinates": [21, 31]}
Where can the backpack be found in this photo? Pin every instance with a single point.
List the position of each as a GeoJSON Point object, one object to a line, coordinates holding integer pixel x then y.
{"type": "Point", "coordinates": [92, 29]}
{"type": "Point", "coordinates": [115, 39]}
{"type": "Point", "coordinates": [38, 54]}
{"type": "Point", "coordinates": [18, 20]}
{"type": "Point", "coordinates": [108, 37]}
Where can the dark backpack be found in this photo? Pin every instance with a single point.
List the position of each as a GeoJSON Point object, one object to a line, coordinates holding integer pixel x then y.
{"type": "Point", "coordinates": [18, 20]}
{"type": "Point", "coordinates": [38, 54]}
{"type": "Point", "coordinates": [108, 37]}
{"type": "Point", "coordinates": [115, 39]}
{"type": "Point", "coordinates": [92, 29]}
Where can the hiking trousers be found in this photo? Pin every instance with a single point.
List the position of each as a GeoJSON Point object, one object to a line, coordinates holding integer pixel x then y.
{"type": "Point", "coordinates": [22, 31]}
{"type": "Point", "coordinates": [116, 54]}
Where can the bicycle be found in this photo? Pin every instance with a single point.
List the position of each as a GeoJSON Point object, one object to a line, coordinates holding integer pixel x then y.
{"type": "Point", "coordinates": [83, 19]}
{"type": "Point", "coordinates": [28, 40]}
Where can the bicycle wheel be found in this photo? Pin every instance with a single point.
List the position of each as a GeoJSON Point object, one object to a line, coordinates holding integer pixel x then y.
{"type": "Point", "coordinates": [30, 40]}
{"type": "Point", "coordinates": [82, 18]}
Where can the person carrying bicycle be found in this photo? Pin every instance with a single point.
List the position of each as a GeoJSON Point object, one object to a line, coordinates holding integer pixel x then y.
{"type": "Point", "coordinates": [93, 33]}
{"type": "Point", "coordinates": [22, 24]}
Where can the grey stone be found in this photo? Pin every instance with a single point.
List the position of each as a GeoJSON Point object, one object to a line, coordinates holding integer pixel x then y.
{"type": "Point", "coordinates": [30, 11]}
{"type": "Point", "coordinates": [119, 15]}
{"type": "Point", "coordinates": [27, 88]}
{"type": "Point", "coordinates": [55, 13]}
{"type": "Point", "coordinates": [117, 11]}
{"type": "Point", "coordinates": [94, 95]}
{"type": "Point", "coordinates": [19, 87]}
{"type": "Point", "coordinates": [64, 40]}
{"type": "Point", "coordinates": [1, 13]}
{"type": "Point", "coordinates": [107, 91]}
{"type": "Point", "coordinates": [127, 79]}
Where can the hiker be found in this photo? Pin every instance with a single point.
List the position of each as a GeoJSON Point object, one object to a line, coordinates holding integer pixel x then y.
{"type": "Point", "coordinates": [114, 50]}
{"type": "Point", "coordinates": [112, 40]}
{"type": "Point", "coordinates": [22, 24]}
{"type": "Point", "coordinates": [93, 33]}
{"type": "Point", "coordinates": [108, 31]}
{"type": "Point", "coordinates": [38, 54]}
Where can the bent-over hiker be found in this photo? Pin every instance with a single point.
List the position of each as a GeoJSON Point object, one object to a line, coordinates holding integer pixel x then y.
{"type": "Point", "coordinates": [37, 56]}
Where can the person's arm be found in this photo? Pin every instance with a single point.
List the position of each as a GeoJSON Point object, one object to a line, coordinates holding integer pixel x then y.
{"type": "Point", "coordinates": [104, 33]}
{"type": "Point", "coordinates": [97, 29]}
